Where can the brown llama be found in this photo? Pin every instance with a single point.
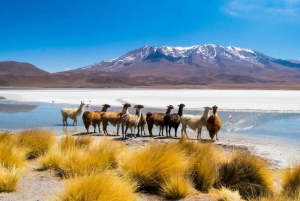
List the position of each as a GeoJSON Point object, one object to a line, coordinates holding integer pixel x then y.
{"type": "Point", "coordinates": [114, 118]}
{"type": "Point", "coordinates": [173, 120]}
{"type": "Point", "coordinates": [214, 124]}
{"type": "Point", "coordinates": [158, 120]}
{"type": "Point", "coordinates": [93, 118]}
{"type": "Point", "coordinates": [131, 120]}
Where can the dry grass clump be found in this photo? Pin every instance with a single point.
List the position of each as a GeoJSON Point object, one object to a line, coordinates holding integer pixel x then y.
{"type": "Point", "coordinates": [107, 185]}
{"type": "Point", "coordinates": [246, 173]}
{"type": "Point", "coordinates": [175, 187]}
{"type": "Point", "coordinates": [98, 157]}
{"type": "Point", "coordinates": [291, 182]}
{"type": "Point", "coordinates": [9, 178]}
{"type": "Point", "coordinates": [12, 162]}
{"type": "Point", "coordinates": [204, 160]}
{"type": "Point", "coordinates": [38, 141]}
{"type": "Point", "coordinates": [11, 154]}
{"type": "Point", "coordinates": [52, 158]}
{"type": "Point", "coordinates": [225, 194]}
{"type": "Point", "coordinates": [152, 165]}
{"type": "Point", "coordinates": [70, 142]}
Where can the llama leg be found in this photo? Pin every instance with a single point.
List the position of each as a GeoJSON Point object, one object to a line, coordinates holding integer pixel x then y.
{"type": "Point", "coordinates": [118, 127]}
{"type": "Point", "coordinates": [199, 133]}
{"type": "Point", "coordinates": [144, 130]}
{"type": "Point", "coordinates": [217, 136]}
{"type": "Point", "coordinates": [99, 127]}
{"type": "Point", "coordinates": [124, 135]}
{"type": "Point", "coordinates": [162, 129]}
{"type": "Point", "coordinates": [150, 129]}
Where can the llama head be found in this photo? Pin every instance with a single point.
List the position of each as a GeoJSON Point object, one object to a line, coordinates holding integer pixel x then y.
{"type": "Point", "coordinates": [207, 108]}
{"type": "Point", "coordinates": [139, 106]}
{"type": "Point", "coordinates": [82, 103]}
{"type": "Point", "coordinates": [126, 105]}
{"type": "Point", "coordinates": [214, 109]}
{"type": "Point", "coordinates": [170, 107]}
{"type": "Point", "coordinates": [181, 105]}
{"type": "Point", "coordinates": [106, 105]}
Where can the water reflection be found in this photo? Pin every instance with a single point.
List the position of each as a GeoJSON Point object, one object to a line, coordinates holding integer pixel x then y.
{"type": "Point", "coordinates": [69, 129]}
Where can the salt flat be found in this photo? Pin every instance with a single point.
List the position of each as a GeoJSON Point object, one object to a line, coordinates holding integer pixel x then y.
{"type": "Point", "coordinates": [265, 100]}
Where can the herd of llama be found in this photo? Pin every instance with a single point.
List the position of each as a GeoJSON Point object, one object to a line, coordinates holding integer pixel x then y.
{"type": "Point", "coordinates": [138, 120]}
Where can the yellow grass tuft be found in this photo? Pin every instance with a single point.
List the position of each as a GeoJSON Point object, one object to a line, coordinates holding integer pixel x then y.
{"type": "Point", "coordinates": [291, 182]}
{"type": "Point", "coordinates": [225, 194]}
{"type": "Point", "coordinates": [9, 178]}
{"type": "Point", "coordinates": [70, 142]}
{"type": "Point", "coordinates": [106, 185]}
{"type": "Point", "coordinates": [11, 154]}
{"type": "Point", "coordinates": [152, 164]}
{"type": "Point", "coordinates": [175, 187]}
{"type": "Point", "coordinates": [246, 173]}
{"type": "Point", "coordinates": [204, 160]}
{"type": "Point", "coordinates": [38, 141]}
{"type": "Point", "coordinates": [100, 156]}
{"type": "Point", "coordinates": [52, 158]}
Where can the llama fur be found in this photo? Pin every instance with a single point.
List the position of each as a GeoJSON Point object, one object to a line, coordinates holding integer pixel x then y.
{"type": "Point", "coordinates": [93, 118]}
{"type": "Point", "coordinates": [194, 122]}
{"type": "Point", "coordinates": [173, 120]}
{"type": "Point", "coordinates": [114, 118]}
{"type": "Point", "coordinates": [158, 120]}
{"type": "Point", "coordinates": [72, 113]}
{"type": "Point", "coordinates": [131, 120]}
{"type": "Point", "coordinates": [213, 123]}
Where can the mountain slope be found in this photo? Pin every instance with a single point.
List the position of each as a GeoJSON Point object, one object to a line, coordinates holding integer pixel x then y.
{"type": "Point", "coordinates": [20, 68]}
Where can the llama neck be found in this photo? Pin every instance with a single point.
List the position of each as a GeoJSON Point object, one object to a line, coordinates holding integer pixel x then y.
{"type": "Point", "coordinates": [104, 109]}
{"type": "Point", "coordinates": [205, 114]}
{"type": "Point", "coordinates": [80, 109]}
{"type": "Point", "coordinates": [168, 110]}
{"type": "Point", "coordinates": [180, 111]}
{"type": "Point", "coordinates": [139, 114]}
{"type": "Point", "coordinates": [215, 112]}
{"type": "Point", "coordinates": [125, 110]}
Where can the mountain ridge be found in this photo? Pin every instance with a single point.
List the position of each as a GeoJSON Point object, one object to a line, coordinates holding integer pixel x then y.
{"type": "Point", "coordinates": [199, 66]}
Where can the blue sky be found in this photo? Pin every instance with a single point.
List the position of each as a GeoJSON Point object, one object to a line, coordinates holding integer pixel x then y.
{"type": "Point", "coordinates": [61, 35]}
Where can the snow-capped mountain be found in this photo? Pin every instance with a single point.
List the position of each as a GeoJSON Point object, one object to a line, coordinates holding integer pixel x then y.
{"type": "Point", "coordinates": [198, 65]}
{"type": "Point", "coordinates": [198, 56]}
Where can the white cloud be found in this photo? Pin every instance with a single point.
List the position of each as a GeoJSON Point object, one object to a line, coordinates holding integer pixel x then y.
{"type": "Point", "coordinates": [286, 9]}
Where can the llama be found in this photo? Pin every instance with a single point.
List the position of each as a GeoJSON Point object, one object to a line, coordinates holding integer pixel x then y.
{"type": "Point", "coordinates": [141, 124]}
{"type": "Point", "coordinates": [131, 120]}
{"type": "Point", "coordinates": [114, 118]}
{"type": "Point", "coordinates": [194, 122]}
{"type": "Point", "coordinates": [173, 120]}
{"type": "Point", "coordinates": [93, 118]}
{"type": "Point", "coordinates": [213, 124]}
{"type": "Point", "coordinates": [158, 120]}
{"type": "Point", "coordinates": [72, 113]}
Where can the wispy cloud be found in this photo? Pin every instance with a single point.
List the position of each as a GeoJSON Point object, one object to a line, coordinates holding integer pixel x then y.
{"type": "Point", "coordinates": [285, 9]}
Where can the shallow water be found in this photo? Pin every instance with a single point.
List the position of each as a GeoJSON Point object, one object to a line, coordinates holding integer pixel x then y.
{"type": "Point", "coordinates": [43, 113]}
